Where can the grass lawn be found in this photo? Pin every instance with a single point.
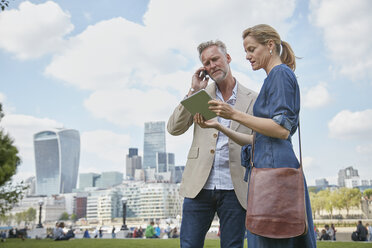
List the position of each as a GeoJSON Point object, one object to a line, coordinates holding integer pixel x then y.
{"type": "Point", "coordinates": [140, 243]}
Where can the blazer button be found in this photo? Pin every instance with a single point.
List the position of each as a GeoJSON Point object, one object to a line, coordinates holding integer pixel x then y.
{"type": "Point", "coordinates": [212, 151]}
{"type": "Point", "coordinates": [214, 135]}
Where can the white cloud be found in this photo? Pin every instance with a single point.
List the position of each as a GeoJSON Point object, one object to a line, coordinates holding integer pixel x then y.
{"type": "Point", "coordinates": [127, 64]}
{"type": "Point", "coordinates": [364, 149]}
{"type": "Point", "coordinates": [2, 97]}
{"type": "Point", "coordinates": [131, 107]}
{"type": "Point", "coordinates": [113, 54]}
{"type": "Point", "coordinates": [346, 28]}
{"type": "Point", "coordinates": [22, 128]}
{"type": "Point", "coordinates": [106, 145]}
{"type": "Point", "coordinates": [316, 96]}
{"type": "Point", "coordinates": [347, 124]}
{"type": "Point", "coordinates": [308, 162]}
{"type": "Point", "coordinates": [34, 30]}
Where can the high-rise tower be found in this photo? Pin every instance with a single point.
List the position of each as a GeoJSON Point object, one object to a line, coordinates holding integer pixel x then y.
{"type": "Point", "coordinates": [154, 141]}
{"type": "Point", "coordinates": [57, 154]}
{"type": "Point", "coordinates": [133, 163]}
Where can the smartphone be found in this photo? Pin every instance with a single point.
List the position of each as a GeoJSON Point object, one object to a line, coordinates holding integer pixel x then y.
{"type": "Point", "coordinates": [203, 74]}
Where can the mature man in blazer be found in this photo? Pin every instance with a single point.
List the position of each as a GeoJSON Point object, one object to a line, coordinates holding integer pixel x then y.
{"type": "Point", "coordinates": [212, 181]}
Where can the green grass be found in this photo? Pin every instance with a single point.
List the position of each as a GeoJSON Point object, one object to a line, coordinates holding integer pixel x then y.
{"type": "Point", "coordinates": [140, 243]}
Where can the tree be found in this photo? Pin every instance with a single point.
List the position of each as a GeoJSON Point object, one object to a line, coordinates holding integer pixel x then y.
{"type": "Point", "coordinates": [19, 217]}
{"type": "Point", "coordinates": [64, 216]}
{"type": "Point", "coordinates": [9, 161]}
{"type": "Point", "coordinates": [315, 203]}
{"type": "Point", "coordinates": [3, 4]}
{"type": "Point", "coordinates": [367, 193]}
{"type": "Point", "coordinates": [73, 217]}
{"type": "Point", "coordinates": [350, 198]}
{"type": "Point", "coordinates": [31, 215]}
{"type": "Point", "coordinates": [323, 196]}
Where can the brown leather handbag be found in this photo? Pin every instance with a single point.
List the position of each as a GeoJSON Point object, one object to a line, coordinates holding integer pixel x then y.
{"type": "Point", "coordinates": [276, 201]}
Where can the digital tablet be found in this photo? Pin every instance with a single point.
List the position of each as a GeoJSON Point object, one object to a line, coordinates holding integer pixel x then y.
{"type": "Point", "coordinates": [198, 103]}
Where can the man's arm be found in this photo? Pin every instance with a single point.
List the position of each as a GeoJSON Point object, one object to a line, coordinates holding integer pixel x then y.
{"type": "Point", "coordinates": [181, 119]}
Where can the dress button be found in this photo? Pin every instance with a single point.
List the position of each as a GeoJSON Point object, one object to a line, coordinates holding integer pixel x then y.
{"type": "Point", "coordinates": [215, 135]}
{"type": "Point", "coordinates": [212, 151]}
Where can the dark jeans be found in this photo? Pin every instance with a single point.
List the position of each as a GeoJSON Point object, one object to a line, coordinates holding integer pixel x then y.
{"type": "Point", "coordinates": [198, 214]}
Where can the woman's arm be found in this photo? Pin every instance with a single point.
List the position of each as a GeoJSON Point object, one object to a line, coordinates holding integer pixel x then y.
{"type": "Point", "coordinates": [239, 138]}
{"type": "Point", "coordinates": [264, 126]}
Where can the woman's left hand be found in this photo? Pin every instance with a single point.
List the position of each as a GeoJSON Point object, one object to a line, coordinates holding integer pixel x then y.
{"type": "Point", "coordinates": [221, 109]}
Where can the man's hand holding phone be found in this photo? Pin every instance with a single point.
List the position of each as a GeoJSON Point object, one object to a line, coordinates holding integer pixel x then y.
{"type": "Point", "coordinates": [199, 80]}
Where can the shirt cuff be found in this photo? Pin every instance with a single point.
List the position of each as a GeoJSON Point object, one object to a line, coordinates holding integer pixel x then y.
{"type": "Point", "coordinates": [283, 120]}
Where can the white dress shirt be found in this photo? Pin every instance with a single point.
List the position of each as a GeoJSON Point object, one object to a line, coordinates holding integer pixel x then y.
{"type": "Point", "coordinates": [220, 176]}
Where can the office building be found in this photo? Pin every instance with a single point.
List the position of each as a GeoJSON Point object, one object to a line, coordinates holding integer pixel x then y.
{"type": "Point", "coordinates": [133, 162]}
{"type": "Point", "coordinates": [104, 180]}
{"type": "Point", "coordinates": [81, 207]}
{"type": "Point", "coordinates": [321, 182]}
{"type": "Point", "coordinates": [151, 201]}
{"type": "Point", "coordinates": [109, 179]}
{"type": "Point", "coordinates": [154, 141]}
{"type": "Point", "coordinates": [104, 205]}
{"type": "Point", "coordinates": [88, 180]}
{"type": "Point", "coordinates": [178, 171]}
{"type": "Point", "coordinates": [31, 183]}
{"type": "Point", "coordinates": [347, 173]}
{"type": "Point", "coordinates": [164, 162]}
{"type": "Point", "coordinates": [57, 154]}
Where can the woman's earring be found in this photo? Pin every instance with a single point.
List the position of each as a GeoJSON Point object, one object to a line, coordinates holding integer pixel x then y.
{"type": "Point", "coordinates": [271, 52]}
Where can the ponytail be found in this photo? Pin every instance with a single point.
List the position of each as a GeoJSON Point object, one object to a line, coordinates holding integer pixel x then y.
{"type": "Point", "coordinates": [287, 56]}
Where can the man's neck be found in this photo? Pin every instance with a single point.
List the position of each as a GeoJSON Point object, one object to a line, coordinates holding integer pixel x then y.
{"type": "Point", "coordinates": [226, 87]}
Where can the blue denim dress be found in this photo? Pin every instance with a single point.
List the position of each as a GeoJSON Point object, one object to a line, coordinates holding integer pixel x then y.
{"type": "Point", "coordinates": [279, 99]}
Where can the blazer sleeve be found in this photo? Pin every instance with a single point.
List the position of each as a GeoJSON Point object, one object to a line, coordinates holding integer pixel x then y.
{"type": "Point", "coordinates": [180, 121]}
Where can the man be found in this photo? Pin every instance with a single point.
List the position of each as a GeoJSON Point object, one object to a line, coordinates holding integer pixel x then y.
{"type": "Point", "coordinates": [369, 228]}
{"type": "Point", "coordinates": [212, 181]}
{"type": "Point", "coordinates": [150, 231]}
{"type": "Point", "coordinates": [329, 231]}
{"type": "Point", "coordinates": [361, 231]}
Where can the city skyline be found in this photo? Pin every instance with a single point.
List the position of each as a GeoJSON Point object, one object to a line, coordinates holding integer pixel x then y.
{"type": "Point", "coordinates": [106, 69]}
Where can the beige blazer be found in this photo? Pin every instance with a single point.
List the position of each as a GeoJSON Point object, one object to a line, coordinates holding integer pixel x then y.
{"type": "Point", "coordinates": [201, 154]}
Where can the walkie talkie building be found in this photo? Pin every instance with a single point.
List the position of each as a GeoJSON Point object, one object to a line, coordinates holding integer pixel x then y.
{"type": "Point", "coordinates": [57, 154]}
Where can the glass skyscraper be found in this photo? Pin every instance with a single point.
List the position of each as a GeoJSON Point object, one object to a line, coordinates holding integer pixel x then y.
{"type": "Point", "coordinates": [57, 154]}
{"type": "Point", "coordinates": [154, 141]}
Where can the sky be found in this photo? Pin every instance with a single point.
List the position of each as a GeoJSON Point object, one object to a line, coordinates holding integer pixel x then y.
{"type": "Point", "coordinates": [106, 67]}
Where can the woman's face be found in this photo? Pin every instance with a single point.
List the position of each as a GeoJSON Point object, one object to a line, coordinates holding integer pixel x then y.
{"type": "Point", "coordinates": [257, 54]}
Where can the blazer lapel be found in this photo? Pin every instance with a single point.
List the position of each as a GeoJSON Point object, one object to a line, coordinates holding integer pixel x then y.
{"type": "Point", "coordinates": [211, 90]}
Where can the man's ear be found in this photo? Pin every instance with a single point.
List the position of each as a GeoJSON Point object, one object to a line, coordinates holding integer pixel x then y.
{"type": "Point", "coordinates": [228, 58]}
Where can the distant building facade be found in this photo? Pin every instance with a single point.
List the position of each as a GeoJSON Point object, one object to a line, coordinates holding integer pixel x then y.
{"type": "Point", "coordinates": [133, 162]}
{"type": "Point", "coordinates": [152, 200]}
{"type": "Point", "coordinates": [154, 141]}
{"type": "Point", "coordinates": [88, 180]}
{"type": "Point", "coordinates": [347, 173]}
{"type": "Point", "coordinates": [57, 154]}
{"type": "Point", "coordinates": [103, 180]}
{"type": "Point", "coordinates": [321, 182]}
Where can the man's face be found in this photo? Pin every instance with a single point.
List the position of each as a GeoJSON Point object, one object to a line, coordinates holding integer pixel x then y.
{"type": "Point", "coordinates": [216, 63]}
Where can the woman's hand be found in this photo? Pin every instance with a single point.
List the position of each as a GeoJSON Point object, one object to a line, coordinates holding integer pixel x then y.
{"type": "Point", "coordinates": [199, 119]}
{"type": "Point", "coordinates": [221, 109]}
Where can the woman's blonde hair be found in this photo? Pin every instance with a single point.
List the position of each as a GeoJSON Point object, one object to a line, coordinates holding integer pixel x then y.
{"type": "Point", "coordinates": [263, 33]}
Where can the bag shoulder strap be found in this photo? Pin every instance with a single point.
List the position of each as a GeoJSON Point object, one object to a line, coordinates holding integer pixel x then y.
{"type": "Point", "coordinates": [299, 144]}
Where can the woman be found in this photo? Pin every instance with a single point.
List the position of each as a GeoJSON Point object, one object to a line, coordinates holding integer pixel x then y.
{"type": "Point", "coordinates": [274, 119]}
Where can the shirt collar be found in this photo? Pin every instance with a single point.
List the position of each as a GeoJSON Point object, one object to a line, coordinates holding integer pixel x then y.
{"type": "Point", "coordinates": [232, 97]}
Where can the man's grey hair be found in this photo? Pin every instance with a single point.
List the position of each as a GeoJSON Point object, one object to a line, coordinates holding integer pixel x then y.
{"type": "Point", "coordinates": [210, 43]}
